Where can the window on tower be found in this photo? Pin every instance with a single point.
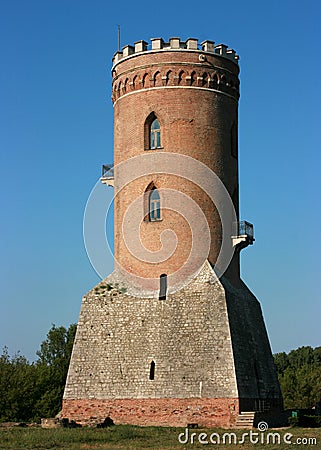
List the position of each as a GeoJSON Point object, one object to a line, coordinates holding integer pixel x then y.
{"type": "Point", "coordinates": [152, 132]}
{"type": "Point", "coordinates": [152, 371]}
{"type": "Point", "coordinates": [155, 135]}
{"type": "Point", "coordinates": [154, 205]}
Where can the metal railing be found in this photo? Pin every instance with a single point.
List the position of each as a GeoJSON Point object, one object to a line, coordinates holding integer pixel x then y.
{"type": "Point", "coordinates": [243, 228]}
{"type": "Point", "coordinates": [107, 171]}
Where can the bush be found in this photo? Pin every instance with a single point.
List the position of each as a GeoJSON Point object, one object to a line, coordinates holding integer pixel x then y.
{"type": "Point", "coordinates": [305, 421]}
{"type": "Point", "coordinates": [310, 421]}
{"type": "Point", "coordinates": [300, 377]}
{"type": "Point", "coordinates": [30, 391]}
{"type": "Point", "coordinates": [293, 421]}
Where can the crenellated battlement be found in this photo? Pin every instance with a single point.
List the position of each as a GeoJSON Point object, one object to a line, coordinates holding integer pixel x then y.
{"type": "Point", "coordinates": [175, 43]}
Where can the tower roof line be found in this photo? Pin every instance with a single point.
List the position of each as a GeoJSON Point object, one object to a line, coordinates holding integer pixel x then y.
{"type": "Point", "coordinates": [175, 44]}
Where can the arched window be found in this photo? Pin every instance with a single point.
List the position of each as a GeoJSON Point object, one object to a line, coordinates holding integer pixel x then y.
{"type": "Point", "coordinates": [152, 132]}
{"type": "Point", "coordinates": [155, 134]}
{"type": "Point", "coordinates": [154, 205]}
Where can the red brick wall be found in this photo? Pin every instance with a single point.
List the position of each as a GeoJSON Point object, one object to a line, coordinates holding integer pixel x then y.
{"type": "Point", "coordinates": [177, 412]}
{"type": "Point", "coordinates": [194, 122]}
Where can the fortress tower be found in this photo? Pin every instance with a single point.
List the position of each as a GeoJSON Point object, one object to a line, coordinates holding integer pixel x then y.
{"type": "Point", "coordinates": [173, 336]}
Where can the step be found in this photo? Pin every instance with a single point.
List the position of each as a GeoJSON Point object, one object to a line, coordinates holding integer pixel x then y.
{"type": "Point", "coordinates": [245, 420]}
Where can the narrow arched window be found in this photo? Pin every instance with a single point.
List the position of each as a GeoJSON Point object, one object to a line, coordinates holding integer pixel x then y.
{"type": "Point", "coordinates": [154, 205]}
{"type": "Point", "coordinates": [155, 134]}
{"type": "Point", "coordinates": [152, 371]}
{"type": "Point", "coordinates": [162, 286]}
{"type": "Point", "coordinates": [152, 132]}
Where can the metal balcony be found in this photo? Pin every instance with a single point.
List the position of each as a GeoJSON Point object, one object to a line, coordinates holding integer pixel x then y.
{"type": "Point", "coordinates": [107, 174]}
{"type": "Point", "coordinates": [242, 234]}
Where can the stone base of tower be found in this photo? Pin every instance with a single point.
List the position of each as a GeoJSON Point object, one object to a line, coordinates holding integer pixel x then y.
{"type": "Point", "coordinates": [174, 412]}
{"type": "Point", "coordinates": [201, 356]}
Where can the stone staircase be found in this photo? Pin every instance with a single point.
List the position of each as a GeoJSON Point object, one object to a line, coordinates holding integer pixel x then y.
{"type": "Point", "coordinates": [245, 420]}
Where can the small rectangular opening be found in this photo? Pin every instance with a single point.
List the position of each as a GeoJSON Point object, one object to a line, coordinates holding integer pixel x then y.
{"type": "Point", "coordinates": [152, 371]}
{"type": "Point", "coordinates": [162, 286]}
{"type": "Point", "coordinates": [192, 425]}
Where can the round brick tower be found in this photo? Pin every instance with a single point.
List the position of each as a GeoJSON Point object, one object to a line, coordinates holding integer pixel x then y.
{"type": "Point", "coordinates": [196, 351]}
{"type": "Point", "coordinates": [193, 94]}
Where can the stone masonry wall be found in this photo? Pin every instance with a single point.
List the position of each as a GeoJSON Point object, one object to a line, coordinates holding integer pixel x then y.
{"type": "Point", "coordinates": [208, 342]}
{"type": "Point", "coordinates": [255, 370]}
{"type": "Point", "coordinates": [187, 336]}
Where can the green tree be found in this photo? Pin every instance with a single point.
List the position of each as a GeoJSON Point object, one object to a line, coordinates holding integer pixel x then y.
{"type": "Point", "coordinates": [281, 362]}
{"type": "Point", "coordinates": [31, 391]}
{"type": "Point", "coordinates": [17, 387]}
{"type": "Point", "coordinates": [300, 357]}
{"type": "Point", "coordinates": [52, 367]}
{"type": "Point", "coordinates": [300, 377]}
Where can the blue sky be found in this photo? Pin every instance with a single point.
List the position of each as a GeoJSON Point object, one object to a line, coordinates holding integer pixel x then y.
{"type": "Point", "coordinates": [57, 130]}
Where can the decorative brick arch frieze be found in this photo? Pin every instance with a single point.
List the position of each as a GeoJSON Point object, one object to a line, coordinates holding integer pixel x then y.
{"type": "Point", "coordinates": [157, 79]}
{"type": "Point", "coordinates": [214, 79]}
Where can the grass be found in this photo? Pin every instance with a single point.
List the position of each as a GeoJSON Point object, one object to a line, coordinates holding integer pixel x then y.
{"type": "Point", "coordinates": [127, 437]}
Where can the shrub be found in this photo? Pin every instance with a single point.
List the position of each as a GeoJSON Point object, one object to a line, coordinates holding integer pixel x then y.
{"type": "Point", "coordinates": [310, 421]}
{"type": "Point", "coordinates": [305, 421]}
{"type": "Point", "coordinates": [293, 421]}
